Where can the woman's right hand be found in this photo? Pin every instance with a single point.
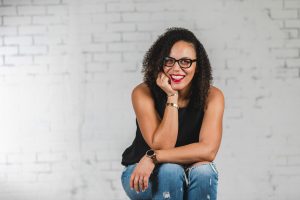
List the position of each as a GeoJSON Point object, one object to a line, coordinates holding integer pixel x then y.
{"type": "Point", "coordinates": [164, 82]}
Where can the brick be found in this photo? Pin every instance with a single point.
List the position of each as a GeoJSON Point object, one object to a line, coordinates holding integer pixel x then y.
{"type": "Point", "coordinates": [150, 26]}
{"type": "Point", "coordinates": [119, 7]}
{"type": "Point", "coordinates": [285, 53]}
{"type": "Point", "coordinates": [1, 63]}
{"type": "Point", "coordinates": [36, 167]}
{"type": "Point", "coordinates": [32, 30]}
{"type": "Point", "coordinates": [125, 46]}
{"type": "Point", "coordinates": [293, 62]}
{"type": "Point", "coordinates": [173, 16]}
{"type": "Point", "coordinates": [126, 67]}
{"type": "Point", "coordinates": [4, 31]}
{"type": "Point", "coordinates": [289, 73]}
{"type": "Point", "coordinates": [292, 23]}
{"type": "Point", "coordinates": [33, 50]}
{"type": "Point", "coordinates": [292, 43]}
{"type": "Point", "coordinates": [51, 157]}
{"type": "Point", "coordinates": [20, 177]}
{"type": "Point", "coordinates": [106, 17]}
{"type": "Point", "coordinates": [107, 57]}
{"type": "Point", "coordinates": [47, 20]}
{"type": "Point", "coordinates": [284, 14]}
{"type": "Point", "coordinates": [21, 158]}
{"type": "Point", "coordinates": [115, 165]}
{"type": "Point", "coordinates": [47, 59]}
{"type": "Point", "coordinates": [120, 27]}
{"type": "Point", "coordinates": [94, 48]}
{"type": "Point", "coordinates": [133, 56]}
{"type": "Point", "coordinates": [294, 4]}
{"type": "Point", "coordinates": [19, 40]}
{"type": "Point", "coordinates": [91, 8]}
{"type": "Point", "coordinates": [58, 10]}
{"type": "Point", "coordinates": [46, 2]}
{"type": "Point", "coordinates": [8, 50]}
{"type": "Point", "coordinates": [136, 17]}
{"type": "Point", "coordinates": [136, 37]}
{"type": "Point", "coordinates": [8, 10]}
{"type": "Point", "coordinates": [16, 2]}
{"type": "Point", "coordinates": [96, 67]}
{"type": "Point", "coordinates": [18, 60]}
{"type": "Point", "coordinates": [293, 160]}
{"type": "Point", "coordinates": [31, 10]}
{"type": "Point", "coordinates": [153, 6]}
{"type": "Point", "coordinates": [57, 30]}
{"type": "Point", "coordinates": [7, 20]}
{"type": "Point", "coordinates": [292, 33]}
{"type": "Point", "coordinates": [58, 49]}
{"type": "Point", "coordinates": [107, 37]}
{"type": "Point", "coordinates": [46, 40]}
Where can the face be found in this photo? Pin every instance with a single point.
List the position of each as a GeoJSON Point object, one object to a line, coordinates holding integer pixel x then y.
{"type": "Point", "coordinates": [181, 78]}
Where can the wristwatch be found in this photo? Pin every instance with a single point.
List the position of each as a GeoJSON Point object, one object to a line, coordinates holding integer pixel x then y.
{"type": "Point", "coordinates": [151, 154]}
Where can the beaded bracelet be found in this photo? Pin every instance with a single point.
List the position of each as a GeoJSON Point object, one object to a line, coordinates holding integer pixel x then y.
{"type": "Point", "coordinates": [175, 94]}
{"type": "Point", "coordinates": [173, 104]}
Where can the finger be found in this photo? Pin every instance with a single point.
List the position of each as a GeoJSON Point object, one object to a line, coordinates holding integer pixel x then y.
{"type": "Point", "coordinates": [131, 182]}
{"type": "Point", "coordinates": [141, 184]}
{"type": "Point", "coordinates": [145, 182]}
{"type": "Point", "coordinates": [136, 183]}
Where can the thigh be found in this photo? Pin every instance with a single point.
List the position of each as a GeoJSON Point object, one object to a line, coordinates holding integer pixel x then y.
{"type": "Point", "coordinates": [168, 181]}
{"type": "Point", "coordinates": [203, 182]}
{"type": "Point", "coordinates": [132, 194]}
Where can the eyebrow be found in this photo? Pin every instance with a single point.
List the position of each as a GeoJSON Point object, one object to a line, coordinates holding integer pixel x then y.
{"type": "Point", "coordinates": [181, 58]}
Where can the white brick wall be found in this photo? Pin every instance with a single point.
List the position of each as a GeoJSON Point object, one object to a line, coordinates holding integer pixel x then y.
{"type": "Point", "coordinates": [67, 69]}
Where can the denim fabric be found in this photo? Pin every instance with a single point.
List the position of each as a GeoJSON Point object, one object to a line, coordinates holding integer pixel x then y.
{"type": "Point", "coordinates": [174, 181]}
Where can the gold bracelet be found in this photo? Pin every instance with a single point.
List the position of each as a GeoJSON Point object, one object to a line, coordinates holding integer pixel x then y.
{"type": "Point", "coordinates": [175, 94]}
{"type": "Point", "coordinates": [173, 104]}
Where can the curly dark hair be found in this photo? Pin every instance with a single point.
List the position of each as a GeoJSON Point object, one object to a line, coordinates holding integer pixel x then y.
{"type": "Point", "coordinates": [153, 64]}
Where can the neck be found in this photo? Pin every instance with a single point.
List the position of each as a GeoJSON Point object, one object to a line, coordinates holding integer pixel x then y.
{"type": "Point", "coordinates": [182, 94]}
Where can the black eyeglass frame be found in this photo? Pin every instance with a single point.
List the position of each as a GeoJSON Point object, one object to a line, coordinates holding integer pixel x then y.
{"type": "Point", "coordinates": [169, 57]}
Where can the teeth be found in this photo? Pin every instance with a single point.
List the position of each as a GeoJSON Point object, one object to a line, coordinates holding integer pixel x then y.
{"type": "Point", "coordinates": [177, 77]}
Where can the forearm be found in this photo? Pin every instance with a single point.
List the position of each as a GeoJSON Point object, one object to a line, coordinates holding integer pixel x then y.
{"type": "Point", "coordinates": [165, 136]}
{"type": "Point", "coordinates": [187, 154]}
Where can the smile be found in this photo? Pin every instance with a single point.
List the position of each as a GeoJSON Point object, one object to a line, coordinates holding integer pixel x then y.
{"type": "Point", "coordinates": [177, 78]}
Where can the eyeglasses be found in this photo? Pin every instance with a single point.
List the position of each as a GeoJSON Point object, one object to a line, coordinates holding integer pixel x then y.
{"type": "Point", "coordinates": [183, 62]}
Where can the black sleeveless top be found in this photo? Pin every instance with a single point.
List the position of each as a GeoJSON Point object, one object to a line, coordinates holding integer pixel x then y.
{"type": "Point", "coordinates": [190, 120]}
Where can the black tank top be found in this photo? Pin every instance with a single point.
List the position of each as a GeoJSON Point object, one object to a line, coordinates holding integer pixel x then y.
{"type": "Point", "coordinates": [190, 120]}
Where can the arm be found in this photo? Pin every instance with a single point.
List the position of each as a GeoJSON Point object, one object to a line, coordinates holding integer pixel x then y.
{"type": "Point", "coordinates": [209, 137]}
{"type": "Point", "coordinates": [154, 129]}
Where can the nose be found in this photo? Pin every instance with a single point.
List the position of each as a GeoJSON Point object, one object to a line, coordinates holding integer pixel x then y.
{"type": "Point", "coordinates": [176, 66]}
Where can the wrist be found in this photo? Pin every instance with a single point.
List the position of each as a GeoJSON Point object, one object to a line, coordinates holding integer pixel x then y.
{"type": "Point", "coordinates": [173, 99]}
{"type": "Point", "coordinates": [151, 153]}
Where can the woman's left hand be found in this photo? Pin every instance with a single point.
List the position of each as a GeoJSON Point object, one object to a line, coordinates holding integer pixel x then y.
{"type": "Point", "coordinates": [140, 176]}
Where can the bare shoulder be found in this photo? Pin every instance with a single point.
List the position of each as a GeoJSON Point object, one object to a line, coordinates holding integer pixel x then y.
{"type": "Point", "coordinates": [215, 97]}
{"type": "Point", "coordinates": [141, 93]}
{"type": "Point", "coordinates": [141, 89]}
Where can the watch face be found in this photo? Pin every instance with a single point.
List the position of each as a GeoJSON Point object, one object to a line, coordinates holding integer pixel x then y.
{"type": "Point", "coordinates": [150, 152]}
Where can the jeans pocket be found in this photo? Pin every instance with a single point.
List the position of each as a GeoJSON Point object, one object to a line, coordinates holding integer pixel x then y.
{"type": "Point", "coordinates": [124, 169]}
{"type": "Point", "coordinates": [214, 168]}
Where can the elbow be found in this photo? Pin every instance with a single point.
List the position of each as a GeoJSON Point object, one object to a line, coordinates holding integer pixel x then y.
{"type": "Point", "coordinates": [162, 146]}
{"type": "Point", "coordinates": [209, 153]}
{"type": "Point", "coordinates": [212, 153]}
{"type": "Point", "coordinates": [211, 156]}
{"type": "Point", "coordinates": [159, 145]}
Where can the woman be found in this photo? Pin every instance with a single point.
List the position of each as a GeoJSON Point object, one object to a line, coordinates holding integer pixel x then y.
{"type": "Point", "coordinates": [179, 123]}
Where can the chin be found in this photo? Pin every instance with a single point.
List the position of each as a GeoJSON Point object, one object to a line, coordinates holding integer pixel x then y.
{"type": "Point", "coordinates": [178, 87]}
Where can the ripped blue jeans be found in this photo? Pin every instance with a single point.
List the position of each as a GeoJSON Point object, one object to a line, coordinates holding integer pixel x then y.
{"type": "Point", "coordinates": [174, 181]}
